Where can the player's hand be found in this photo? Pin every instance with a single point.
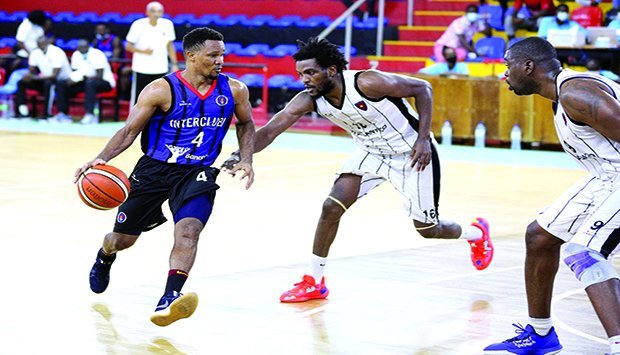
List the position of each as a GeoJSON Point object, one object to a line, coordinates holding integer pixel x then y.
{"type": "Point", "coordinates": [90, 164]}
{"type": "Point", "coordinates": [230, 163]}
{"type": "Point", "coordinates": [247, 170]}
{"type": "Point", "coordinates": [421, 153]}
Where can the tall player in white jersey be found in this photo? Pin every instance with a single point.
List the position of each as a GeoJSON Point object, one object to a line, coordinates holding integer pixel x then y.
{"type": "Point", "coordinates": [586, 217]}
{"type": "Point", "coordinates": [394, 144]}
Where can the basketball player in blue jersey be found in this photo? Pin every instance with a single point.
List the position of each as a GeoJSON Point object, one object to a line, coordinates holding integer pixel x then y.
{"type": "Point", "coordinates": [183, 118]}
{"type": "Point", "coordinates": [586, 217]}
{"type": "Point", "coordinates": [394, 144]}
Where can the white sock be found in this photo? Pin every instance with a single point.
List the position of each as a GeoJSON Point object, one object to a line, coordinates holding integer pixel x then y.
{"type": "Point", "coordinates": [614, 344]}
{"type": "Point", "coordinates": [317, 265]}
{"type": "Point", "coordinates": [542, 326]}
{"type": "Point", "coordinates": [470, 233]}
{"type": "Point", "coordinates": [23, 110]}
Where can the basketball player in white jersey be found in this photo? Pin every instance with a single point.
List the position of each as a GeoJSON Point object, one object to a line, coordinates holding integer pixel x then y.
{"type": "Point", "coordinates": [394, 144]}
{"type": "Point", "coordinates": [586, 217]}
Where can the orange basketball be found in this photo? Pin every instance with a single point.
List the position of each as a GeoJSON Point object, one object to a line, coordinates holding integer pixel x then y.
{"type": "Point", "coordinates": [103, 187]}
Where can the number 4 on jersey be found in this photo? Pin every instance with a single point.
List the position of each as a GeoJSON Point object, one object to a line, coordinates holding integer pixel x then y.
{"type": "Point", "coordinates": [198, 140]}
{"type": "Point", "coordinates": [202, 176]}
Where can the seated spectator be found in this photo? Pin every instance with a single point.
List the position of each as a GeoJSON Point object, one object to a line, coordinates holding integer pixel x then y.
{"type": "Point", "coordinates": [588, 14]}
{"type": "Point", "coordinates": [527, 17]}
{"type": "Point", "coordinates": [47, 64]}
{"type": "Point", "coordinates": [460, 33]}
{"type": "Point", "coordinates": [561, 21]}
{"type": "Point", "coordinates": [91, 75]}
{"type": "Point", "coordinates": [112, 46]}
{"type": "Point", "coordinates": [593, 66]}
{"type": "Point", "coordinates": [450, 67]}
{"type": "Point", "coordinates": [615, 24]}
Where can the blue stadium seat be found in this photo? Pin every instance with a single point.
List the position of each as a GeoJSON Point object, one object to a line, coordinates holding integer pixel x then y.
{"type": "Point", "coordinates": [206, 20]}
{"type": "Point", "coordinates": [257, 21]}
{"type": "Point", "coordinates": [67, 45]}
{"type": "Point", "coordinates": [280, 80]}
{"type": "Point", "coordinates": [232, 47]}
{"type": "Point", "coordinates": [181, 19]}
{"type": "Point", "coordinates": [131, 17]}
{"type": "Point", "coordinates": [114, 17]}
{"type": "Point", "coordinates": [231, 20]}
{"type": "Point", "coordinates": [178, 46]}
{"type": "Point", "coordinates": [18, 16]}
{"type": "Point", "coordinates": [314, 21]}
{"type": "Point", "coordinates": [493, 13]}
{"type": "Point", "coordinates": [285, 21]}
{"type": "Point", "coordinates": [369, 23]}
{"type": "Point", "coordinates": [5, 16]}
{"type": "Point", "coordinates": [253, 49]}
{"type": "Point", "coordinates": [513, 41]}
{"type": "Point", "coordinates": [63, 16]}
{"type": "Point", "coordinates": [353, 50]}
{"type": "Point", "coordinates": [87, 17]}
{"type": "Point", "coordinates": [7, 42]}
{"type": "Point", "coordinates": [253, 80]}
{"type": "Point", "coordinates": [281, 50]}
{"type": "Point", "coordinates": [491, 47]}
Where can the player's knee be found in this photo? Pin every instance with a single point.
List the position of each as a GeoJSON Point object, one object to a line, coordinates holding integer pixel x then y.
{"type": "Point", "coordinates": [332, 210]}
{"type": "Point", "coordinates": [536, 238]}
{"type": "Point", "coordinates": [118, 241]}
{"type": "Point", "coordinates": [590, 267]}
{"type": "Point", "coordinates": [189, 232]}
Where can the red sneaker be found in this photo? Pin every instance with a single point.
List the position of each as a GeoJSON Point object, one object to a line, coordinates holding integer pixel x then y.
{"type": "Point", "coordinates": [481, 249]}
{"type": "Point", "coordinates": [305, 290]}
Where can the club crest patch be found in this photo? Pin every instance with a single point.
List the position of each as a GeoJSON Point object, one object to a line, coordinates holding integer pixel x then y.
{"type": "Point", "coordinates": [361, 105]}
{"type": "Point", "coordinates": [221, 100]}
{"type": "Point", "coordinates": [122, 217]}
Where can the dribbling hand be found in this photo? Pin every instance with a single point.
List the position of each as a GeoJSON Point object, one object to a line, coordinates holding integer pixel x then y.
{"type": "Point", "coordinates": [230, 163]}
{"type": "Point", "coordinates": [88, 165]}
{"type": "Point", "coordinates": [248, 172]}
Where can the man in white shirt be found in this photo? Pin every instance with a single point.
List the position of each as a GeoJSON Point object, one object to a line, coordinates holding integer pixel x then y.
{"type": "Point", "coordinates": [91, 74]}
{"type": "Point", "coordinates": [47, 64]}
{"type": "Point", "coordinates": [150, 39]}
{"type": "Point", "coordinates": [31, 28]}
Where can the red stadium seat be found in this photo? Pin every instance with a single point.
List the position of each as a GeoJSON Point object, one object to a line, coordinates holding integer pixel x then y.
{"type": "Point", "coordinates": [588, 16]}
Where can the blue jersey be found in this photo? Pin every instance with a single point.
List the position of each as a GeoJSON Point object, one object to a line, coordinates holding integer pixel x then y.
{"type": "Point", "coordinates": [192, 130]}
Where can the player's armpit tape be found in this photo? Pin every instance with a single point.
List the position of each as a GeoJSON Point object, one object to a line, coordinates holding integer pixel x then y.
{"type": "Point", "coordinates": [338, 202]}
{"type": "Point", "coordinates": [589, 266]}
{"type": "Point", "coordinates": [427, 227]}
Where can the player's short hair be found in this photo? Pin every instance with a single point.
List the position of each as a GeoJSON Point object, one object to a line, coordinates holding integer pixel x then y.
{"type": "Point", "coordinates": [325, 53]}
{"type": "Point", "coordinates": [535, 49]}
{"type": "Point", "coordinates": [196, 38]}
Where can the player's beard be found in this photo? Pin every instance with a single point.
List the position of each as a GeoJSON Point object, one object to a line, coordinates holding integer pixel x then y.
{"type": "Point", "coordinates": [325, 89]}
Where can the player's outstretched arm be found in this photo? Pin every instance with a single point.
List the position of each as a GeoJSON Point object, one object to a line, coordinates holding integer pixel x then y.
{"type": "Point", "coordinates": [376, 84]}
{"type": "Point", "coordinates": [154, 95]}
{"type": "Point", "coordinates": [245, 132]}
{"type": "Point", "coordinates": [589, 102]}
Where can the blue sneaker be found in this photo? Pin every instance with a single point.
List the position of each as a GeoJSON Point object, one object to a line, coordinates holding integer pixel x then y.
{"type": "Point", "coordinates": [100, 274]}
{"type": "Point", "coordinates": [527, 342]}
{"type": "Point", "coordinates": [174, 306]}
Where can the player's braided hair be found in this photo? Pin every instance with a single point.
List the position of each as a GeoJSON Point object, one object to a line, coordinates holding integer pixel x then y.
{"type": "Point", "coordinates": [196, 38]}
{"type": "Point", "coordinates": [325, 53]}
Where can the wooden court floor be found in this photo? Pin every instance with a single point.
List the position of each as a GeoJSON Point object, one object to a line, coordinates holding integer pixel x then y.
{"type": "Point", "coordinates": [392, 292]}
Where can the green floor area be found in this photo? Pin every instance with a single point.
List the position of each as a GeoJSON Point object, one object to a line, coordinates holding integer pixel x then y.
{"type": "Point", "coordinates": [320, 142]}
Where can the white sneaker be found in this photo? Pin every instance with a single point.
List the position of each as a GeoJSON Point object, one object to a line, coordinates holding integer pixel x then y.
{"type": "Point", "coordinates": [89, 118]}
{"type": "Point", "coordinates": [23, 110]}
{"type": "Point", "coordinates": [61, 118]}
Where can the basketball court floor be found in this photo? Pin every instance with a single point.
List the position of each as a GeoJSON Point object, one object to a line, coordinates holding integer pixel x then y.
{"type": "Point", "coordinates": [391, 291]}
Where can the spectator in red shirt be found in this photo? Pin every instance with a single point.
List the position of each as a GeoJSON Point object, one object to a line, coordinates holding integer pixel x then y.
{"type": "Point", "coordinates": [527, 14]}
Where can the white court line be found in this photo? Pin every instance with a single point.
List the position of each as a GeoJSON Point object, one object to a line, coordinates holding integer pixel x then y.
{"type": "Point", "coordinates": [558, 322]}
{"type": "Point", "coordinates": [423, 283]}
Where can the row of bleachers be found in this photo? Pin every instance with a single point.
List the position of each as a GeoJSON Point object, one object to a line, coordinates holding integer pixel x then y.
{"type": "Point", "coordinates": [193, 20]}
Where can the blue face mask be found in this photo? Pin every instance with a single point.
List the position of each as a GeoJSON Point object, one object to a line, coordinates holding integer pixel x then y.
{"type": "Point", "coordinates": [562, 16]}
{"type": "Point", "coordinates": [100, 36]}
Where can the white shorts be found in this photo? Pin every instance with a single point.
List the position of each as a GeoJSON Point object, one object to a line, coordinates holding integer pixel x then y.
{"type": "Point", "coordinates": [587, 214]}
{"type": "Point", "coordinates": [420, 189]}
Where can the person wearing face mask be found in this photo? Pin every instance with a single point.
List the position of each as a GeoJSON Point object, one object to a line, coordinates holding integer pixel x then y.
{"type": "Point", "coordinates": [448, 68]}
{"type": "Point", "coordinates": [460, 33]}
{"type": "Point", "coordinates": [107, 42]}
{"type": "Point", "coordinates": [527, 14]}
{"type": "Point", "coordinates": [561, 21]}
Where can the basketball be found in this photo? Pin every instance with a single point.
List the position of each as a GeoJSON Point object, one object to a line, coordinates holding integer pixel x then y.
{"type": "Point", "coordinates": [103, 187]}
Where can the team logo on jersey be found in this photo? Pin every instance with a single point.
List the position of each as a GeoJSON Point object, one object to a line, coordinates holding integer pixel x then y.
{"type": "Point", "coordinates": [361, 105]}
{"type": "Point", "coordinates": [176, 152]}
{"type": "Point", "coordinates": [184, 103]}
{"type": "Point", "coordinates": [221, 100]}
{"type": "Point", "coordinates": [122, 217]}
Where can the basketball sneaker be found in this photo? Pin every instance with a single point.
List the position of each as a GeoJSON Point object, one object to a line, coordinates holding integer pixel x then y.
{"type": "Point", "coordinates": [305, 290]}
{"type": "Point", "coordinates": [99, 277]}
{"type": "Point", "coordinates": [174, 306]}
{"type": "Point", "coordinates": [527, 342]}
{"type": "Point", "coordinates": [481, 249]}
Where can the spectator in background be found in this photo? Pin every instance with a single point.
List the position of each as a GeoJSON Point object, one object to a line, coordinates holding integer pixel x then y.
{"type": "Point", "coordinates": [370, 9]}
{"type": "Point", "coordinates": [561, 21]}
{"type": "Point", "coordinates": [588, 14]}
{"type": "Point", "coordinates": [460, 33]}
{"type": "Point", "coordinates": [450, 67]}
{"type": "Point", "coordinates": [47, 64]}
{"type": "Point", "coordinates": [615, 24]}
{"type": "Point", "coordinates": [150, 39]}
{"type": "Point", "coordinates": [29, 30]}
{"type": "Point", "coordinates": [527, 17]}
{"type": "Point", "coordinates": [593, 66]}
{"type": "Point", "coordinates": [91, 74]}
{"type": "Point", "coordinates": [112, 46]}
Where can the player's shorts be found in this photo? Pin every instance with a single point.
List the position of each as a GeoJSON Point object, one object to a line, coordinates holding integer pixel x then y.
{"type": "Point", "coordinates": [419, 189]}
{"type": "Point", "coordinates": [152, 183]}
{"type": "Point", "coordinates": [587, 214]}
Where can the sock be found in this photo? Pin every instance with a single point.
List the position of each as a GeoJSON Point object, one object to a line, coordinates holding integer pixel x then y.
{"type": "Point", "coordinates": [106, 258]}
{"type": "Point", "coordinates": [470, 233]}
{"type": "Point", "coordinates": [176, 280]}
{"type": "Point", "coordinates": [614, 344]}
{"type": "Point", "coordinates": [542, 326]}
{"type": "Point", "coordinates": [317, 265]}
